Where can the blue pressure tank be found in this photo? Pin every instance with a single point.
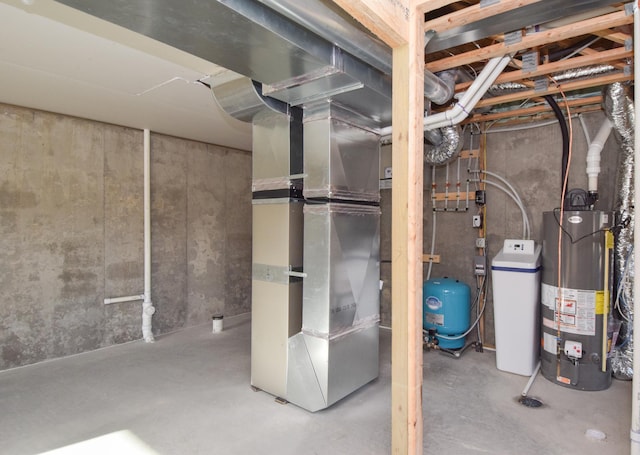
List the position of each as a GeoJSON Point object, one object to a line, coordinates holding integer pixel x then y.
{"type": "Point", "coordinates": [446, 307]}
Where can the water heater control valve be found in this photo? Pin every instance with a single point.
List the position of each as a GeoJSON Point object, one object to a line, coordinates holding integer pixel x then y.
{"type": "Point", "coordinates": [573, 349]}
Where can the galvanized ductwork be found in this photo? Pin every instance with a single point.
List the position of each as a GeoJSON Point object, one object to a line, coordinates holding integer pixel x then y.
{"type": "Point", "coordinates": [316, 265]}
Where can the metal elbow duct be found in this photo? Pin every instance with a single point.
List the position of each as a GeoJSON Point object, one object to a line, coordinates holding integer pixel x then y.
{"type": "Point", "coordinates": [447, 149]}
{"type": "Point", "coordinates": [242, 98]}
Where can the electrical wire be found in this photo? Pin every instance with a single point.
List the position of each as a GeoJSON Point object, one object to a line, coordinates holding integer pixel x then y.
{"type": "Point", "coordinates": [528, 126]}
{"type": "Point", "coordinates": [584, 129]}
{"type": "Point", "coordinates": [525, 219]}
{"type": "Point", "coordinates": [615, 229]}
{"type": "Point", "coordinates": [516, 197]}
{"type": "Point", "coordinates": [619, 291]}
{"type": "Point", "coordinates": [565, 180]}
{"type": "Point", "coordinates": [457, 337]}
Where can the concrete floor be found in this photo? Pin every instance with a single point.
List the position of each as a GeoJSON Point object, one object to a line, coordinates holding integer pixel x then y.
{"type": "Point", "coordinates": [189, 393]}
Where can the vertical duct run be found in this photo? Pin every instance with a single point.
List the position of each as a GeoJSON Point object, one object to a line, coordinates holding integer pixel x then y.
{"type": "Point", "coordinates": [316, 260]}
{"type": "Point", "coordinates": [276, 301]}
{"type": "Point", "coordinates": [619, 108]}
{"type": "Point", "coordinates": [337, 350]}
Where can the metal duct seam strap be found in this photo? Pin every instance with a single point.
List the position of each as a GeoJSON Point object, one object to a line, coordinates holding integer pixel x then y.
{"type": "Point", "coordinates": [273, 183]}
{"type": "Point", "coordinates": [341, 332]}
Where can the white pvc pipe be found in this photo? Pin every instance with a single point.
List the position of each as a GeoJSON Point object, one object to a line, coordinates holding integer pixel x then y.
{"type": "Point", "coordinates": [468, 102]}
{"type": "Point", "coordinates": [469, 99]}
{"type": "Point", "coordinates": [584, 128]}
{"type": "Point", "coordinates": [129, 298]}
{"type": "Point", "coordinates": [635, 390]}
{"type": "Point", "coordinates": [593, 154]}
{"type": "Point", "coordinates": [515, 194]}
{"type": "Point", "coordinates": [147, 307]}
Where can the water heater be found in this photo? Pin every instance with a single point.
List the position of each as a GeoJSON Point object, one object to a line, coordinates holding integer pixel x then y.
{"type": "Point", "coordinates": [446, 307]}
{"type": "Point", "coordinates": [574, 312]}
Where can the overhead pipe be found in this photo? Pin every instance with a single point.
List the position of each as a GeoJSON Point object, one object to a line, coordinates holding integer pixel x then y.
{"type": "Point", "coordinates": [470, 98]}
{"type": "Point", "coordinates": [147, 306]}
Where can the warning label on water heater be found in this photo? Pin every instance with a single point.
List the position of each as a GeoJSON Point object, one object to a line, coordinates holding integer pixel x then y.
{"type": "Point", "coordinates": [574, 309]}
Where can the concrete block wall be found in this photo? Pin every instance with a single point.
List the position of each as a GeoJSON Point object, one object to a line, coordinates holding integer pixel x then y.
{"type": "Point", "coordinates": [530, 159]}
{"type": "Point", "coordinates": [71, 219]}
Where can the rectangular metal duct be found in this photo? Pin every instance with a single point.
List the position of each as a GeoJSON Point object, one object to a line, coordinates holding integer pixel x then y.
{"type": "Point", "coordinates": [342, 264]}
{"type": "Point", "coordinates": [337, 350]}
{"type": "Point", "coordinates": [251, 39]}
{"type": "Point", "coordinates": [240, 35]}
{"type": "Point", "coordinates": [277, 149]}
{"type": "Point", "coordinates": [341, 158]}
{"type": "Point", "coordinates": [276, 297]}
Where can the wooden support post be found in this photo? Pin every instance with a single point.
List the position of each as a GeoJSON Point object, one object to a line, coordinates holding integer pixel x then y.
{"type": "Point", "coordinates": [406, 241]}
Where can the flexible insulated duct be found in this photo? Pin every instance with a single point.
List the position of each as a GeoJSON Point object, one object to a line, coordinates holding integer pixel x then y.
{"type": "Point", "coordinates": [619, 108]}
{"type": "Point", "coordinates": [447, 149]}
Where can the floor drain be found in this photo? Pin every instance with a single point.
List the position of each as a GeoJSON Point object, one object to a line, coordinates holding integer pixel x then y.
{"type": "Point", "coordinates": [530, 402]}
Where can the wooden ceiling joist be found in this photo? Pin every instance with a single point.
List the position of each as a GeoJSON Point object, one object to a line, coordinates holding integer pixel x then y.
{"type": "Point", "coordinates": [530, 41]}
{"type": "Point", "coordinates": [426, 6]}
{"type": "Point", "coordinates": [533, 110]}
{"type": "Point", "coordinates": [589, 51]}
{"type": "Point", "coordinates": [614, 36]}
{"type": "Point", "coordinates": [566, 87]}
{"type": "Point", "coordinates": [596, 58]}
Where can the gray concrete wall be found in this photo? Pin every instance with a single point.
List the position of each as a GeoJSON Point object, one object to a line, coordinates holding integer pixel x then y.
{"type": "Point", "coordinates": [71, 219]}
{"type": "Point", "coordinates": [530, 160]}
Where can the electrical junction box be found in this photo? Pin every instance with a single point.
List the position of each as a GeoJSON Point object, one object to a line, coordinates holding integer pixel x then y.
{"type": "Point", "coordinates": [388, 173]}
{"type": "Point", "coordinates": [480, 242]}
{"type": "Point", "coordinates": [480, 265]}
{"type": "Point", "coordinates": [477, 221]}
{"type": "Point", "coordinates": [573, 349]}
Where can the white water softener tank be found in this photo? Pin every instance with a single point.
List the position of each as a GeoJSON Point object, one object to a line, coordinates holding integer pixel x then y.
{"type": "Point", "coordinates": [516, 297]}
